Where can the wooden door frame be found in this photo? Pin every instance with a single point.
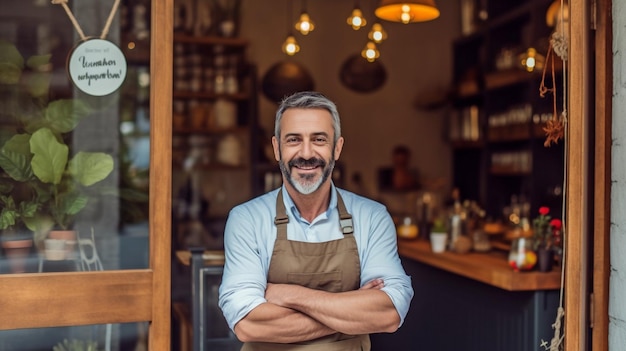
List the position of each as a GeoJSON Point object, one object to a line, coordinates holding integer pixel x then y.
{"type": "Point", "coordinates": [603, 47]}
{"type": "Point", "coordinates": [84, 298]}
{"type": "Point", "coordinates": [589, 176]}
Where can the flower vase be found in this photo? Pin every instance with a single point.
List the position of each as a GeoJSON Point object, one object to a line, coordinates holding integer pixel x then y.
{"type": "Point", "coordinates": [545, 259]}
{"type": "Point", "coordinates": [521, 256]}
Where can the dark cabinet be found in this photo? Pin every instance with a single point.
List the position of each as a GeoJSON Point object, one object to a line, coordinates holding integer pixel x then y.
{"type": "Point", "coordinates": [496, 127]}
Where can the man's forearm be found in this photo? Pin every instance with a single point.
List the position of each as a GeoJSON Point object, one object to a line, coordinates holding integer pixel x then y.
{"type": "Point", "coordinates": [361, 311]}
{"type": "Point", "coordinates": [272, 323]}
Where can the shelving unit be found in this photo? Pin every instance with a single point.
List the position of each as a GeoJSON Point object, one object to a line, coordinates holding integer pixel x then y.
{"type": "Point", "coordinates": [497, 100]}
{"type": "Point", "coordinates": [214, 120]}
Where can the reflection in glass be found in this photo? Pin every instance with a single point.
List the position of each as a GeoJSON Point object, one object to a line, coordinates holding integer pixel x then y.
{"type": "Point", "coordinates": [69, 160]}
{"type": "Point", "coordinates": [127, 336]}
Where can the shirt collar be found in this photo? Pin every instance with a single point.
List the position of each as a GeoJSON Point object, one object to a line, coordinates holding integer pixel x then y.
{"type": "Point", "coordinates": [288, 201]}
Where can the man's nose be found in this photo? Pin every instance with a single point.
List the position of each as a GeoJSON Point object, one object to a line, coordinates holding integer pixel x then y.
{"type": "Point", "coordinates": [306, 151]}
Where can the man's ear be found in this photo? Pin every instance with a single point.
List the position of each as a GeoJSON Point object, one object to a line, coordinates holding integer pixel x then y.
{"type": "Point", "coordinates": [275, 146]}
{"type": "Point", "coordinates": [338, 148]}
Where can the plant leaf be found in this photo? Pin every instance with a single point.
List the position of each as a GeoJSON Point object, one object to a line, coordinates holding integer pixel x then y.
{"type": "Point", "coordinates": [49, 156]}
{"type": "Point", "coordinates": [7, 218]}
{"type": "Point", "coordinates": [15, 158]}
{"type": "Point", "coordinates": [72, 203]}
{"type": "Point", "coordinates": [38, 84]}
{"type": "Point", "coordinates": [63, 115]}
{"type": "Point", "coordinates": [11, 63]}
{"type": "Point", "coordinates": [9, 73]}
{"type": "Point", "coordinates": [91, 167]}
{"type": "Point", "coordinates": [38, 62]}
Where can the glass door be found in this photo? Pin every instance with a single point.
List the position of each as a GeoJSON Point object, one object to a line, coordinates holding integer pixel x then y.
{"type": "Point", "coordinates": [85, 149]}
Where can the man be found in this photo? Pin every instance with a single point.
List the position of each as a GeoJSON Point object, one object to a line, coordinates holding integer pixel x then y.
{"type": "Point", "coordinates": [310, 266]}
{"type": "Point", "coordinates": [399, 177]}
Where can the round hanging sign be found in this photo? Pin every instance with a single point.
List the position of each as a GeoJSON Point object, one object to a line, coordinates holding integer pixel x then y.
{"type": "Point", "coordinates": [97, 67]}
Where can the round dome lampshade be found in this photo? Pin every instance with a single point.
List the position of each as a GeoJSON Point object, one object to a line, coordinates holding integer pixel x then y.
{"type": "Point", "coordinates": [407, 11]}
{"type": "Point", "coordinates": [285, 78]}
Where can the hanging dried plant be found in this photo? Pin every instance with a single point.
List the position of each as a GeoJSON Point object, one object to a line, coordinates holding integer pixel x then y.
{"type": "Point", "coordinates": [555, 127]}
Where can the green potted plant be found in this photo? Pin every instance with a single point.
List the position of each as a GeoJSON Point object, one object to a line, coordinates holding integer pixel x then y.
{"type": "Point", "coordinates": [35, 158]}
{"type": "Point", "coordinates": [16, 242]}
{"type": "Point", "coordinates": [438, 235]}
{"type": "Point", "coordinates": [438, 226]}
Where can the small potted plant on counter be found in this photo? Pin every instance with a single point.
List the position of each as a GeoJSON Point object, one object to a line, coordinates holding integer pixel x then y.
{"type": "Point", "coordinates": [544, 234]}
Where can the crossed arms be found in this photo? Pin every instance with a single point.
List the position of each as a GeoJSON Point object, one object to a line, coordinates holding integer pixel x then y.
{"type": "Point", "coordinates": [294, 313]}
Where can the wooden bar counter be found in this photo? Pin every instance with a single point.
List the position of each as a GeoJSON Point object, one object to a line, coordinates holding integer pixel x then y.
{"type": "Point", "coordinates": [490, 268]}
{"type": "Point", "coordinates": [472, 302]}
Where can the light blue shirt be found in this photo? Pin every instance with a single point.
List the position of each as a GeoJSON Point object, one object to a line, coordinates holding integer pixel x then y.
{"type": "Point", "coordinates": [249, 242]}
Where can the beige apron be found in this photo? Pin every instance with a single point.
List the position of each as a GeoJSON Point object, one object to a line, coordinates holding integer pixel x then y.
{"type": "Point", "coordinates": [332, 266]}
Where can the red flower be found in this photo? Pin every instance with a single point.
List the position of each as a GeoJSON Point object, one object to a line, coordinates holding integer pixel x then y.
{"type": "Point", "coordinates": [556, 224]}
{"type": "Point", "coordinates": [544, 210]}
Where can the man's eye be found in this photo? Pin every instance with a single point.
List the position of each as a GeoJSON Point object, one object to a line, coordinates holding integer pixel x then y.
{"type": "Point", "coordinates": [292, 140]}
{"type": "Point", "coordinates": [320, 140]}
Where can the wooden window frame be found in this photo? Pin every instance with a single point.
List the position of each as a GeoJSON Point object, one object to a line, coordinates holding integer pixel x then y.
{"type": "Point", "coordinates": [84, 298]}
{"type": "Point", "coordinates": [589, 176]}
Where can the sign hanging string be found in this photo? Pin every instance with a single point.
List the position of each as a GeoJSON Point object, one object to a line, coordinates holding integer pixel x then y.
{"type": "Point", "coordinates": [107, 26]}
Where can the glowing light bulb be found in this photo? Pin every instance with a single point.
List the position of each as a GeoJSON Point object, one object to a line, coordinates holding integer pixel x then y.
{"type": "Point", "coordinates": [290, 46]}
{"type": "Point", "coordinates": [377, 34]}
{"type": "Point", "coordinates": [305, 25]}
{"type": "Point", "coordinates": [370, 53]}
{"type": "Point", "coordinates": [356, 19]}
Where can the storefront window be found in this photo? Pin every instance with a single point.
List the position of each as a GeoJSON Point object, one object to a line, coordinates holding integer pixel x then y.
{"type": "Point", "coordinates": [74, 135]}
{"type": "Point", "coordinates": [127, 336]}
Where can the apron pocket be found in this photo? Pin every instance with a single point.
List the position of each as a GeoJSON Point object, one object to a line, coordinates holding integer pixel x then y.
{"type": "Point", "coordinates": [328, 281]}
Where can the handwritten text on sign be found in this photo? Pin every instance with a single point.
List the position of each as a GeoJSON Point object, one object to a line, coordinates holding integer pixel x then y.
{"type": "Point", "coordinates": [97, 67]}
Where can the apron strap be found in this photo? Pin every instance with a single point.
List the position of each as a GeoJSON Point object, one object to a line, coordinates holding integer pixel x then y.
{"type": "Point", "coordinates": [345, 219]}
{"type": "Point", "coordinates": [281, 219]}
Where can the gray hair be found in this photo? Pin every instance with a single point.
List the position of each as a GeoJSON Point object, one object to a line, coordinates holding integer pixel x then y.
{"type": "Point", "coordinates": [308, 100]}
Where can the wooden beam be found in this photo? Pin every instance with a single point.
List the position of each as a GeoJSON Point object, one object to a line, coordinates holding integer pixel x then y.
{"type": "Point", "coordinates": [602, 191]}
{"type": "Point", "coordinates": [75, 298]}
{"type": "Point", "coordinates": [161, 63]}
{"type": "Point", "coordinates": [579, 180]}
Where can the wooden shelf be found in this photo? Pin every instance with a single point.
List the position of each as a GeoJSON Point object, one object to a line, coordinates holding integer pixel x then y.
{"type": "Point", "coordinates": [209, 96]}
{"type": "Point", "coordinates": [508, 171]}
{"type": "Point", "coordinates": [514, 132]}
{"type": "Point", "coordinates": [210, 40]}
{"type": "Point", "coordinates": [466, 89]}
{"type": "Point", "coordinates": [508, 77]}
{"type": "Point", "coordinates": [467, 144]}
{"type": "Point", "coordinates": [209, 131]}
{"type": "Point", "coordinates": [490, 268]}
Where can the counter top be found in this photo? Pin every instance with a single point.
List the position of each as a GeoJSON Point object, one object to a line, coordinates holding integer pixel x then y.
{"type": "Point", "coordinates": [490, 268]}
{"type": "Point", "coordinates": [210, 257]}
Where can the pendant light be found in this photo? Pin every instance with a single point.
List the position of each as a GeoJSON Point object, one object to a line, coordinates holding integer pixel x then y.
{"type": "Point", "coordinates": [377, 34]}
{"type": "Point", "coordinates": [290, 45]}
{"type": "Point", "coordinates": [304, 24]}
{"type": "Point", "coordinates": [356, 19]}
{"type": "Point", "coordinates": [407, 11]}
{"type": "Point", "coordinates": [370, 52]}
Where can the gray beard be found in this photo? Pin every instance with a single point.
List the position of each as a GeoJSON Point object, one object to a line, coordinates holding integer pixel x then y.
{"type": "Point", "coordinates": [303, 184]}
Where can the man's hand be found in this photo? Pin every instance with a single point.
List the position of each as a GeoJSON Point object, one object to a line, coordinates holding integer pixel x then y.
{"type": "Point", "coordinates": [374, 284]}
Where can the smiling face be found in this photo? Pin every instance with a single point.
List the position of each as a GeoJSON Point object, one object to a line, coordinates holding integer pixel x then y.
{"type": "Point", "coordinates": [305, 152]}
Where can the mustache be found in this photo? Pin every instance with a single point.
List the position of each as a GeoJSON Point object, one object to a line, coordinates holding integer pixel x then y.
{"type": "Point", "coordinates": [312, 162]}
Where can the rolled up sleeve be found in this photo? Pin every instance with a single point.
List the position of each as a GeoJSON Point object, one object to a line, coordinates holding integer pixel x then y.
{"type": "Point", "coordinates": [244, 278]}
